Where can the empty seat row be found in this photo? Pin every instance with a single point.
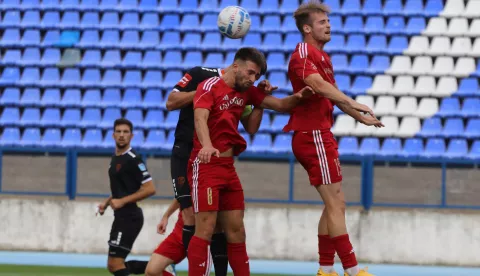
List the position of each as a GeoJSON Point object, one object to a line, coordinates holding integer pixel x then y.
{"type": "Point", "coordinates": [455, 8]}
{"type": "Point", "coordinates": [454, 27]}
{"type": "Point", "coordinates": [425, 65]}
{"type": "Point", "coordinates": [440, 46]}
{"type": "Point", "coordinates": [432, 127]}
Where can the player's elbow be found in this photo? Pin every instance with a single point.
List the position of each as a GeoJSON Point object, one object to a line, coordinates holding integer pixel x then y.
{"type": "Point", "coordinates": [150, 189]}
{"type": "Point", "coordinates": [170, 105]}
{"type": "Point", "coordinates": [252, 130]}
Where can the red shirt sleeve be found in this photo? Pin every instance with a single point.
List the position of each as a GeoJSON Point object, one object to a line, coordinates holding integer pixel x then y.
{"type": "Point", "coordinates": [303, 67]}
{"type": "Point", "coordinates": [203, 97]}
{"type": "Point", "coordinates": [256, 96]}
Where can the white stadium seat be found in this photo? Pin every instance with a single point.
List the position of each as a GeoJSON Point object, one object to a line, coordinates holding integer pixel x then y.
{"type": "Point", "coordinates": [439, 46]}
{"type": "Point", "coordinates": [474, 30]}
{"type": "Point", "coordinates": [436, 26]}
{"type": "Point", "coordinates": [421, 66]}
{"type": "Point", "coordinates": [443, 66]}
{"type": "Point", "coordinates": [445, 87]}
{"type": "Point", "coordinates": [404, 85]}
{"type": "Point", "coordinates": [418, 45]}
{"type": "Point", "coordinates": [457, 27]}
{"type": "Point", "coordinates": [472, 10]}
{"type": "Point", "coordinates": [409, 127]}
{"type": "Point", "coordinates": [453, 8]}
{"type": "Point", "coordinates": [406, 106]}
{"type": "Point", "coordinates": [382, 84]}
{"type": "Point", "coordinates": [391, 127]}
{"type": "Point", "coordinates": [427, 108]}
{"type": "Point", "coordinates": [363, 130]}
{"type": "Point", "coordinates": [384, 105]}
{"type": "Point", "coordinates": [464, 67]}
{"type": "Point", "coordinates": [400, 65]}
{"type": "Point", "coordinates": [366, 100]}
{"type": "Point", "coordinates": [344, 125]}
{"type": "Point", "coordinates": [424, 86]}
{"type": "Point", "coordinates": [475, 52]}
{"type": "Point", "coordinates": [461, 46]}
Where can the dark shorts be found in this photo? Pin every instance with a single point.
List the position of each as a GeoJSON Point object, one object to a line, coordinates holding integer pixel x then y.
{"type": "Point", "coordinates": [123, 234]}
{"type": "Point", "coordinates": [178, 166]}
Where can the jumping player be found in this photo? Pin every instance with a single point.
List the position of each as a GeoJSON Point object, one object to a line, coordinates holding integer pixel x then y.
{"type": "Point", "coordinates": [130, 182]}
{"type": "Point", "coordinates": [313, 143]}
{"type": "Point", "coordinates": [215, 186]}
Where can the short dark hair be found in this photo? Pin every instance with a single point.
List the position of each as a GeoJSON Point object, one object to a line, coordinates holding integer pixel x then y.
{"type": "Point", "coordinates": [123, 121]}
{"type": "Point", "coordinates": [253, 55]}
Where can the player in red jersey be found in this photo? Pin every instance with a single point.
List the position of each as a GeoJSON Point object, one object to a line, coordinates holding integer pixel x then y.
{"type": "Point", "coordinates": [215, 186]}
{"type": "Point", "coordinates": [313, 143]}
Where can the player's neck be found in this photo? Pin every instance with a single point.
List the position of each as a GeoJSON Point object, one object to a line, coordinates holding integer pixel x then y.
{"type": "Point", "coordinates": [229, 78]}
{"type": "Point", "coordinates": [122, 151]}
{"type": "Point", "coordinates": [318, 44]}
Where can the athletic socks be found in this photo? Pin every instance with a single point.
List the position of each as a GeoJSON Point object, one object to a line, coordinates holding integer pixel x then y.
{"type": "Point", "coordinates": [199, 257]}
{"type": "Point", "coordinates": [136, 267]}
{"type": "Point", "coordinates": [326, 252]}
{"type": "Point", "coordinates": [187, 234]}
{"type": "Point", "coordinates": [218, 249]}
{"type": "Point", "coordinates": [121, 272]}
{"type": "Point", "coordinates": [346, 253]}
{"type": "Point", "coordinates": [238, 258]}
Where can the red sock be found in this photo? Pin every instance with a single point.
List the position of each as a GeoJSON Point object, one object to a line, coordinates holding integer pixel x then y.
{"type": "Point", "coordinates": [326, 250]}
{"type": "Point", "coordinates": [345, 251]}
{"type": "Point", "coordinates": [199, 257]}
{"type": "Point", "coordinates": [238, 259]}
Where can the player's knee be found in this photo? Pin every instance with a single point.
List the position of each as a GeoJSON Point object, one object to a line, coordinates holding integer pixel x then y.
{"type": "Point", "coordinates": [153, 271]}
{"type": "Point", "coordinates": [236, 233]}
{"type": "Point", "coordinates": [188, 216]}
{"type": "Point", "coordinates": [205, 226]}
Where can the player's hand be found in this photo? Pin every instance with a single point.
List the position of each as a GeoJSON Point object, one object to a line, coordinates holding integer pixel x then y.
{"type": "Point", "coordinates": [371, 121]}
{"type": "Point", "coordinates": [362, 108]}
{"type": "Point", "coordinates": [101, 209]}
{"type": "Point", "coordinates": [305, 93]}
{"type": "Point", "coordinates": [117, 203]}
{"type": "Point", "coordinates": [266, 87]}
{"type": "Point", "coordinates": [162, 226]}
{"type": "Point", "coordinates": [205, 154]}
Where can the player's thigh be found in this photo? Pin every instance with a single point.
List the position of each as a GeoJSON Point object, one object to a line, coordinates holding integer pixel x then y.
{"type": "Point", "coordinates": [205, 185]}
{"type": "Point", "coordinates": [332, 196]}
{"type": "Point", "coordinates": [171, 249]}
{"type": "Point", "coordinates": [178, 169]}
{"type": "Point", "coordinates": [233, 226]}
{"type": "Point", "coordinates": [123, 234]}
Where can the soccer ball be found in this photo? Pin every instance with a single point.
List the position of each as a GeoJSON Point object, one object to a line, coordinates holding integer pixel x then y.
{"type": "Point", "coordinates": [234, 22]}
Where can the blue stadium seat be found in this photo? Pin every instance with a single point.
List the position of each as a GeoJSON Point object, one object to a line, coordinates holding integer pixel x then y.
{"type": "Point", "coordinates": [395, 25]}
{"type": "Point", "coordinates": [138, 138]}
{"type": "Point", "coordinates": [351, 7]}
{"type": "Point", "coordinates": [372, 7]}
{"type": "Point", "coordinates": [110, 39]}
{"type": "Point", "coordinates": [51, 20]}
{"type": "Point", "coordinates": [369, 146]}
{"type": "Point", "coordinates": [30, 76]}
{"type": "Point", "coordinates": [170, 139]}
{"type": "Point", "coordinates": [11, 57]}
{"type": "Point", "coordinates": [155, 139]}
{"type": "Point", "coordinates": [340, 63]}
{"type": "Point", "coordinates": [291, 41]}
{"type": "Point", "coordinates": [391, 147]}
{"type": "Point", "coordinates": [70, 5]}
{"type": "Point", "coordinates": [168, 6]}
{"type": "Point", "coordinates": [171, 120]}
{"type": "Point", "coordinates": [192, 59]}
{"type": "Point", "coordinates": [211, 41]}
{"type": "Point", "coordinates": [474, 153]}
{"type": "Point", "coordinates": [415, 26]}
{"type": "Point", "coordinates": [110, 20]}
{"type": "Point", "coordinates": [192, 41]}
{"type": "Point", "coordinates": [431, 127]}
{"type": "Point", "coordinates": [433, 7]}
{"type": "Point", "coordinates": [149, 21]}
{"type": "Point", "coordinates": [336, 24]}
{"type": "Point", "coordinates": [128, 5]}
{"type": "Point", "coordinates": [393, 8]}
{"type": "Point", "coordinates": [472, 131]}
{"type": "Point", "coordinates": [276, 61]}
{"type": "Point", "coordinates": [229, 58]}
{"type": "Point", "coordinates": [91, 118]}
{"type": "Point", "coordinates": [30, 117]}
{"type": "Point", "coordinates": [111, 58]}
{"type": "Point", "coordinates": [265, 124]}
{"type": "Point", "coordinates": [87, 5]}
{"type": "Point", "coordinates": [214, 60]}
{"type": "Point", "coordinates": [470, 108]}
{"type": "Point", "coordinates": [51, 38]}
{"type": "Point", "coordinates": [108, 5]}
{"type": "Point", "coordinates": [231, 44]}
{"type": "Point", "coordinates": [152, 99]}
{"type": "Point", "coordinates": [247, 139]}
{"type": "Point", "coordinates": [282, 143]}
{"type": "Point", "coordinates": [397, 45]}
{"type": "Point", "coordinates": [255, 40]}
{"type": "Point", "coordinates": [31, 56]}
{"type": "Point", "coordinates": [71, 98]}
{"type": "Point", "coordinates": [457, 148]}
{"type": "Point", "coordinates": [186, 6]}
{"type": "Point", "coordinates": [10, 116]}
{"type": "Point", "coordinates": [108, 142]}
{"type": "Point", "coordinates": [468, 87]}
{"type": "Point", "coordinates": [207, 6]}
{"type": "Point", "coordinates": [72, 137]}
{"type": "Point", "coordinates": [289, 25]}
{"type": "Point", "coordinates": [360, 85]}
{"type": "Point", "coordinates": [449, 107]}
{"type": "Point", "coordinates": [170, 22]}
{"type": "Point", "coordinates": [132, 97]}
{"type": "Point", "coordinates": [50, 57]}
{"type": "Point", "coordinates": [269, 7]}
{"type": "Point", "coordinates": [153, 79]}
{"type": "Point", "coordinates": [413, 8]}
{"type": "Point", "coordinates": [272, 42]}
{"type": "Point", "coordinates": [353, 24]}
{"type": "Point", "coordinates": [51, 97]}
{"type": "Point", "coordinates": [91, 58]}
{"type": "Point", "coordinates": [261, 143]}
{"type": "Point", "coordinates": [288, 7]}
{"type": "Point", "coordinates": [68, 38]}
{"type": "Point", "coordinates": [132, 78]}
{"type": "Point", "coordinates": [91, 98]}
{"type": "Point", "coordinates": [348, 146]}
{"type": "Point", "coordinates": [190, 23]}
{"type": "Point", "coordinates": [71, 77]}
{"type": "Point", "coordinates": [130, 39]}
{"type": "Point", "coordinates": [10, 38]}
{"type": "Point", "coordinates": [152, 59]}
{"type": "Point", "coordinates": [374, 25]}
{"type": "Point", "coordinates": [154, 119]}
{"type": "Point", "coordinates": [30, 38]}
{"type": "Point", "coordinates": [92, 138]}
{"type": "Point", "coordinates": [112, 78]}
{"type": "Point", "coordinates": [132, 59]}
{"type": "Point", "coordinates": [358, 64]}
{"type": "Point", "coordinates": [111, 97]}
{"type": "Point", "coordinates": [90, 20]}
{"type": "Point", "coordinates": [434, 148]}
{"type": "Point", "coordinates": [278, 79]}
{"type": "Point", "coordinates": [31, 137]}
{"type": "Point", "coordinates": [148, 5]}
{"type": "Point", "coordinates": [271, 23]}
{"type": "Point", "coordinates": [226, 3]}
{"type": "Point", "coordinates": [252, 6]}
{"type": "Point", "coordinates": [89, 39]}
{"type": "Point", "coordinates": [91, 78]}
{"type": "Point", "coordinates": [379, 65]}
{"type": "Point", "coordinates": [109, 116]}
{"type": "Point", "coordinates": [209, 23]}
{"type": "Point", "coordinates": [31, 19]}
{"type": "Point", "coordinates": [30, 97]}
{"type": "Point", "coordinates": [412, 148]}
{"type": "Point", "coordinates": [10, 4]}
{"type": "Point", "coordinates": [171, 78]}
{"type": "Point", "coordinates": [279, 121]}
{"type": "Point", "coordinates": [355, 44]}
{"type": "Point", "coordinates": [10, 76]}
{"type": "Point", "coordinates": [70, 20]}
{"type": "Point", "coordinates": [453, 128]}
{"type": "Point", "coordinates": [52, 137]}
{"type": "Point", "coordinates": [51, 117]}
{"type": "Point", "coordinates": [71, 117]}
{"type": "Point", "coordinates": [10, 137]}
{"type": "Point", "coordinates": [10, 97]}
{"type": "Point", "coordinates": [11, 19]}
{"type": "Point", "coordinates": [343, 82]}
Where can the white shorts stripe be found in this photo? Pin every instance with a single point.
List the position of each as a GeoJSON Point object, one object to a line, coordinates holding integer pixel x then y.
{"type": "Point", "coordinates": [209, 262]}
{"type": "Point", "coordinates": [319, 155]}
{"type": "Point", "coordinates": [195, 185]}
{"type": "Point", "coordinates": [322, 150]}
{"type": "Point", "coordinates": [322, 157]}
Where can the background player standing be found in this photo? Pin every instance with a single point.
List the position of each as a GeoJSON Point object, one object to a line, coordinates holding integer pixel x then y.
{"type": "Point", "coordinates": [313, 143]}
{"type": "Point", "coordinates": [130, 182]}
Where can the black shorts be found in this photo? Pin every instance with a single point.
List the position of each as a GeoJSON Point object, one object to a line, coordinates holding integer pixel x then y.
{"type": "Point", "coordinates": [178, 166]}
{"type": "Point", "coordinates": [125, 230]}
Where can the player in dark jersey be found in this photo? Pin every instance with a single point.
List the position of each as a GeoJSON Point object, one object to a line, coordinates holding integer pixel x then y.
{"type": "Point", "coordinates": [182, 98]}
{"type": "Point", "coordinates": [130, 182]}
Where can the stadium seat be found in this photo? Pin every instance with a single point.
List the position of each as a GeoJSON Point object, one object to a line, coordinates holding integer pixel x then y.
{"type": "Point", "coordinates": [353, 24]}
{"type": "Point", "coordinates": [51, 97]}
{"type": "Point", "coordinates": [457, 27]}
{"type": "Point", "coordinates": [51, 117]}
{"type": "Point", "coordinates": [91, 78]}
{"type": "Point", "coordinates": [110, 39]}
{"type": "Point", "coordinates": [192, 41]}
{"type": "Point", "coordinates": [288, 7]}
{"type": "Point", "coordinates": [369, 146]}
{"type": "Point", "coordinates": [71, 117]}
{"type": "Point", "coordinates": [132, 98]}
{"type": "Point", "coordinates": [390, 129]}
{"type": "Point", "coordinates": [91, 118]}
{"type": "Point", "coordinates": [192, 59]}
{"type": "Point", "coordinates": [111, 78]}
{"type": "Point", "coordinates": [339, 61]}
{"type": "Point", "coordinates": [51, 20]}
{"type": "Point", "coordinates": [92, 138]}
{"type": "Point", "coordinates": [153, 78]}
{"type": "Point", "coordinates": [436, 26]}
{"type": "Point", "coordinates": [261, 143]}
{"type": "Point", "coordinates": [443, 66]}
{"type": "Point", "coordinates": [372, 7]}
{"type": "Point", "coordinates": [170, 22]}
{"type": "Point", "coordinates": [10, 76]}
{"type": "Point", "coordinates": [52, 137]}
{"type": "Point", "coordinates": [132, 78]}
{"type": "Point", "coordinates": [350, 7]}
{"type": "Point", "coordinates": [406, 106]}
{"type": "Point", "coordinates": [31, 57]}
{"type": "Point", "coordinates": [10, 97]}
{"type": "Point", "coordinates": [391, 147]}
{"type": "Point", "coordinates": [51, 57]}
{"type": "Point", "coordinates": [171, 79]}
{"type": "Point", "coordinates": [282, 143]}
{"type": "Point", "coordinates": [31, 137]}
{"type": "Point", "coordinates": [30, 76]}
{"type": "Point", "coordinates": [449, 107]}
{"type": "Point", "coordinates": [149, 21]}
{"type": "Point", "coordinates": [30, 97]}
{"type": "Point", "coordinates": [446, 86]}
{"type": "Point", "coordinates": [10, 116]}
{"type": "Point", "coordinates": [378, 65]}
{"type": "Point", "coordinates": [108, 142]}
{"type": "Point", "coordinates": [453, 9]}
{"type": "Point", "coordinates": [154, 119]}
{"type": "Point", "coordinates": [439, 46]}
{"type": "Point", "coordinates": [154, 140]}
{"type": "Point", "coordinates": [72, 137]}
{"type": "Point", "coordinates": [152, 59]}
{"type": "Point", "coordinates": [30, 117]}
{"type": "Point", "coordinates": [214, 60]}
{"type": "Point", "coordinates": [424, 86]}
{"type": "Point", "coordinates": [111, 98]}
{"type": "Point", "coordinates": [10, 38]}
{"type": "Point", "coordinates": [433, 7]}
{"type": "Point", "coordinates": [165, 6]}
{"type": "Point", "coordinates": [336, 44]}
{"type": "Point", "coordinates": [453, 128]}
{"type": "Point", "coordinates": [130, 40]}
{"type": "Point", "coordinates": [10, 4]}
{"type": "Point", "coordinates": [153, 99]}
{"type": "Point", "coordinates": [468, 87]}
{"type": "Point", "coordinates": [404, 85]}
{"type": "Point", "coordinates": [172, 60]}
{"type": "Point", "coordinates": [470, 108]}
{"type": "Point", "coordinates": [71, 77]}
{"type": "Point", "coordinates": [427, 108]}
{"type": "Point", "coordinates": [412, 148]}
{"type": "Point", "coordinates": [344, 125]}
{"type": "Point", "coordinates": [91, 98]}
{"type": "Point", "coordinates": [135, 116]}
{"type": "Point", "coordinates": [130, 20]}
{"type": "Point", "coordinates": [212, 41]}
{"type": "Point", "coordinates": [382, 84]}
{"type": "Point", "coordinates": [109, 116]}
{"type": "Point", "coordinates": [431, 127]}
{"type": "Point", "coordinates": [415, 26]}
{"type": "Point", "coordinates": [358, 64]}
{"type": "Point", "coordinates": [12, 57]}
{"type": "Point", "coordinates": [397, 45]}
{"type": "Point", "coordinates": [408, 127]}
{"type": "Point", "coordinates": [472, 130]}
{"type": "Point", "coordinates": [71, 98]}
{"type": "Point", "coordinates": [10, 137]}
{"type": "Point", "coordinates": [89, 39]}
{"type": "Point", "coordinates": [132, 59]}
{"type": "Point", "coordinates": [475, 52]}
{"type": "Point", "coordinates": [291, 41]}
{"type": "Point", "coordinates": [272, 42]}
{"type": "Point", "coordinates": [348, 146]}
{"type": "Point", "coordinates": [288, 25]}
{"type": "Point", "coordinates": [31, 19]}
{"type": "Point", "coordinates": [110, 20]}
{"type": "Point", "coordinates": [374, 25]}
{"type": "Point", "coordinates": [434, 148]}
{"type": "Point", "coordinates": [384, 105]}
{"type": "Point", "coordinates": [231, 44]}
{"type": "Point", "coordinates": [474, 29]}
{"type": "Point", "coordinates": [171, 120]}
{"type": "Point", "coordinates": [395, 25]}
{"type": "Point", "coordinates": [421, 66]}
{"type": "Point", "coordinates": [474, 153]}
{"type": "Point", "coordinates": [355, 44]}
{"type": "Point", "coordinates": [400, 65]}
{"type": "Point", "coordinates": [90, 20]}
{"type": "Point", "coordinates": [464, 67]}
{"type": "Point", "coordinates": [190, 23]}
{"type": "Point", "coordinates": [70, 20]}
{"type": "Point", "coordinates": [11, 19]}
{"type": "Point", "coordinates": [413, 8]}
{"type": "Point", "coordinates": [472, 10]}
{"type": "Point", "coordinates": [360, 85]}
{"type": "Point", "coordinates": [461, 46]}
{"type": "Point", "coordinates": [343, 82]}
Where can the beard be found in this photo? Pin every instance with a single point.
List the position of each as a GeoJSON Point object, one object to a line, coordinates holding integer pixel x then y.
{"type": "Point", "coordinates": [121, 146]}
{"type": "Point", "coordinates": [238, 84]}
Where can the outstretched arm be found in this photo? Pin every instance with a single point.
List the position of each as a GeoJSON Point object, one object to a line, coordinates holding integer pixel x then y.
{"type": "Point", "coordinates": [286, 104]}
{"type": "Point", "coordinates": [177, 99]}
{"type": "Point", "coordinates": [251, 119]}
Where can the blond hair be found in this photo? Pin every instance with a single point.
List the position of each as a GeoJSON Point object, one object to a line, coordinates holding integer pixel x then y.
{"type": "Point", "coordinates": [302, 14]}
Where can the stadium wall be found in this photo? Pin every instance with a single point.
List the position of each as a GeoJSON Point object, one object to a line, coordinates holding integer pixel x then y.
{"type": "Point", "coordinates": [410, 236]}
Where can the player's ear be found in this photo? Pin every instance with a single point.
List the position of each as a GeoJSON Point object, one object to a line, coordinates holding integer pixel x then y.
{"type": "Point", "coordinates": [307, 29]}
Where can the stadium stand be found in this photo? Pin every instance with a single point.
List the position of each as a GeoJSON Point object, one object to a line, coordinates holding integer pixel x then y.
{"type": "Point", "coordinates": [413, 61]}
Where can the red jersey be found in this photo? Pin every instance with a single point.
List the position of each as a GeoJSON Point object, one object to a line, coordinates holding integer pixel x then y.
{"type": "Point", "coordinates": [226, 106]}
{"type": "Point", "coordinates": [316, 113]}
